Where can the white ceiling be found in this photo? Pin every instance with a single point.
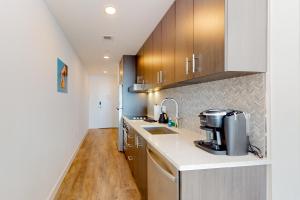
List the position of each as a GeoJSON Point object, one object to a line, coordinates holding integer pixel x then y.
{"type": "Point", "coordinates": [85, 23]}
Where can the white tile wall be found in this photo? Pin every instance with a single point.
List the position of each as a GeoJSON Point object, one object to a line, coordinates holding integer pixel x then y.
{"type": "Point", "coordinates": [246, 93]}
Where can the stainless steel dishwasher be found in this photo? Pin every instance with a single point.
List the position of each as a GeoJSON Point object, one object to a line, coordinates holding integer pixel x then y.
{"type": "Point", "coordinates": [163, 177]}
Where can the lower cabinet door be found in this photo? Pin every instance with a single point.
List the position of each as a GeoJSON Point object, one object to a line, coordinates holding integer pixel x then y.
{"type": "Point", "coordinates": [162, 178]}
{"type": "Point", "coordinates": [141, 169]}
{"type": "Point", "coordinates": [235, 183]}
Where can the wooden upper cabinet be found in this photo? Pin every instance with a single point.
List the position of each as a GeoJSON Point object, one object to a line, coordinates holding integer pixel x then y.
{"type": "Point", "coordinates": [207, 40]}
{"type": "Point", "coordinates": [184, 39]}
{"type": "Point", "coordinates": [229, 36]}
{"type": "Point", "coordinates": [209, 35]}
{"type": "Point", "coordinates": [168, 46]}
{"type": "Point", "coordinates": [157, 56]}
{"type": "Point", "coordinates": [140, 66]}
{"type": "Point", "coordinates": [148, 61]}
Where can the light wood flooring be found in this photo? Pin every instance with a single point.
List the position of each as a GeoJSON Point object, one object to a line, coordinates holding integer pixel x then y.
{"type": "Point", "coordinates": [99, 171]}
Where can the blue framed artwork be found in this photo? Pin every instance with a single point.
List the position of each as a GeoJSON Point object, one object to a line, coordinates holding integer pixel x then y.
{"type": "Point", "coordinates": [62, 76]}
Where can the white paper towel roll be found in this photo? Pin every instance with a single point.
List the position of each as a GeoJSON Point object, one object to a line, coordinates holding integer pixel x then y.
{"type": "Point", "coordinates": [164, 109]}
{"type": "Point", "coordinates": [156, 112]}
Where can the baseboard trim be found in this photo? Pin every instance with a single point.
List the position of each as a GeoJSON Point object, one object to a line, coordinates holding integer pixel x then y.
{"type": "Point", "coordinates": [109, 128]}
{"type": "Point", "coordinates": [104, 128]}
{"type": "Point", "coordinates": [65, 171]}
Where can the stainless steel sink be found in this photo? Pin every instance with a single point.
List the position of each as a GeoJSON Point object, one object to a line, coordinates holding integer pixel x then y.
{"type": "Point", "coordinates": [159, 130]}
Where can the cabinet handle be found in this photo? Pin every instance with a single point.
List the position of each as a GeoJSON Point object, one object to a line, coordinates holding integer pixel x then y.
{"type": "Point", "coordinates": [198, 58]}
{"type": "Point", "coordinates": [137, 142]}
{"type": "Point", "coordinates": [130, 158]}
{"type": "Point", "coordinates": [193, 63]}
{"type": "Point", "coordinates": [157, 77]}
{"type": "Point", "coordinates": [186, 65]}
{"type": "Point", "coordinates": [161, 76]}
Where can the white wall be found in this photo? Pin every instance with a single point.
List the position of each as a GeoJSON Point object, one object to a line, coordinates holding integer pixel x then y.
{"type": "Point", "coordinates": [285, 98]}
{"type": "Point", "coordinates": [39, 128]}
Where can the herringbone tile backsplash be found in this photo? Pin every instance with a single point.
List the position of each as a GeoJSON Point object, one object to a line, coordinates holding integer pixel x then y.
{"type": "Point", "coordinates": [247, 93]}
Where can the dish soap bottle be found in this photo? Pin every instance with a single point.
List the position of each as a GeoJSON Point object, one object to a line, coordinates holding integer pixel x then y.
{"type": "Point", "coordinates": [170, 122]}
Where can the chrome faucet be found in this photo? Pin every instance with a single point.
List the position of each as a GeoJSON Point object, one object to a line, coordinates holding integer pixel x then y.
{"type": "Point", "coordinates": [177, 112]}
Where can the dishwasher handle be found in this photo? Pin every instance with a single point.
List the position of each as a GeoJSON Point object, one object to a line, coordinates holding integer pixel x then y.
{"type": "Point", "coordinates": [160, 168]}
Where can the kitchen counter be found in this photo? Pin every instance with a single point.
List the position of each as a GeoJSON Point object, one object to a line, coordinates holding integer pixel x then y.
{"type": "Point", "coordinates": [179, 149]}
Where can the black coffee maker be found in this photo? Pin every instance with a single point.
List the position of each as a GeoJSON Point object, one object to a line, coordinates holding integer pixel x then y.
{"type": "Point", "coordinates": [212, 122]}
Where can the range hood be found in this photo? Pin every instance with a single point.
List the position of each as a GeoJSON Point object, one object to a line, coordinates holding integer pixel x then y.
{"type": "Point", "coordinates": [139, 88]}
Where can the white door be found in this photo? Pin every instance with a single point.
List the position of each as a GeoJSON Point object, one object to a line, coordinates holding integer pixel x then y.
{"type": "Point", "coordinates": [103, 96]}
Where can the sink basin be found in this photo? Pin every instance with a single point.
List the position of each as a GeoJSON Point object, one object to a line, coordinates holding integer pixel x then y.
{"type": "Point", "coordinates": [159, 130]}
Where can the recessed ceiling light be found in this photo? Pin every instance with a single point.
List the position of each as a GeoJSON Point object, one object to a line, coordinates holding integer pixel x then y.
{"type": "Point", "coordinates": [105, 72]}
{"type": "Point", "coordinates": [107, 37]}
{"type": "Point", "coordinates": [110, 10]}
{"type": "Point", "coordinates": [106, 57]}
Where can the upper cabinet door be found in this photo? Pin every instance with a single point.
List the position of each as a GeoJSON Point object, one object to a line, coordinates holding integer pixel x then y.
{"type": "Point", "coordinates": [209, 35]}
{"type": "Point", "coordinates": [184, 39]}
{"type": "Point", "coordinates": [168, 46]}
{"type": "Point", "coordinates": [157, 67]}
{"type": "Point", "coordinates": [148, 60]}
{"type": "Point", "coordinates": [246, 35]}
{"type": "Point", "coordinates": [140, 66]}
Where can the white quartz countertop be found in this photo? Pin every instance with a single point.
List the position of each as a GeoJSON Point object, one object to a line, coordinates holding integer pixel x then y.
{"type": "Point", "coordinates": [180, 150]}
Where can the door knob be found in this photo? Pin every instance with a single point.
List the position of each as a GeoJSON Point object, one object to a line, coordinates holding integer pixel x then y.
{"type": "Point", "coordinates": [119, 108]}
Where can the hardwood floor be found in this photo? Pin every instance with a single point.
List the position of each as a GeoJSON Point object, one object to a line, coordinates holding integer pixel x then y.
{"type": "Point", "coordinates": [99, 171]}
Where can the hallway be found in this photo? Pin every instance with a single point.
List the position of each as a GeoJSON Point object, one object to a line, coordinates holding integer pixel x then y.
{"type": "Point", "coordinates": [99, 171]}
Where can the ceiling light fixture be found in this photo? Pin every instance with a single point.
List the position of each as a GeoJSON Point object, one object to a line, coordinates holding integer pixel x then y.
{"type": "Point", "coordinates": [106, 57]}
{"type": "Point", "coordinates": [107, 37]}
{"type": "Point", "coordinates": [110, 10]}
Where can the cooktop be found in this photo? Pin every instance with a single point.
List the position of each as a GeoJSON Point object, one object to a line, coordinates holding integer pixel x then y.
{"type": "Point", "coordinates": [145, 118]}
